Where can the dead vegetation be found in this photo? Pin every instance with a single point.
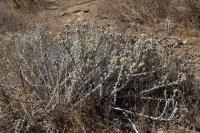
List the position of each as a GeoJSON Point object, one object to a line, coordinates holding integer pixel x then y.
{"type": "Point", "coordinates": [28, 5]}
{"type": "Point", "coordinates": [90, 78]}
{"type": "Point", "coordinates": [184, 12]}
{"type": "Point", "coordinates": [10, 21]}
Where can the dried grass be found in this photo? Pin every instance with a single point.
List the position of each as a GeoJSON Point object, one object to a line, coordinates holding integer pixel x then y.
{"type": "Point", "coordinates": [184, 12]}
{"type": "Point", "coordinates": [91, 79]}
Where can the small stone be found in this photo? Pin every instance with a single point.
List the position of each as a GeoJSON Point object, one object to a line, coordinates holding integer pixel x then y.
{"type": "Point", "coordinates": [64, 13]}
{"type": "Point", "coordinates": [83, 13]}
{"type": "Point", "coordinates": [77, 11]}
{"type": "Point", "coordinates": [86, 11]}
{"type": "Point", "coordinates": [52, 1]}
{"type": "Point", "coordinates": [53, 7]}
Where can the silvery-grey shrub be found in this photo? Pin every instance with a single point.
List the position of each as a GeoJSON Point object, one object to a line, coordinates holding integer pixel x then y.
{"type": "Point", "coordinates": [87, 62]}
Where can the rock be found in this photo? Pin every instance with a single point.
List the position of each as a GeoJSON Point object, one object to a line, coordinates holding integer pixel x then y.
{"type": "Point", "coordinates": [53, 7]}
{"type": "Point", "coordinates": [86, 11]}
{"type": "Point", "coordinates": [83, 13]}
{"type": "Point", "coordinates": [77, 11]}
{"type": "Point", "coordinates": [52, 1]}
{"type": "Point", "coordinates": [64, 13]}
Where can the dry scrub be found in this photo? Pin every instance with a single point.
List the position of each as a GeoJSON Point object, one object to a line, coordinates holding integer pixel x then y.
{"type": "Point", "coordinates": [13, 20]}
{"type": "Point", "coordinates": [186, 12]}
{"type": "Point", "coordinates": [92, 79]}
{"type": "Point", "coordinates": [10, 20]}
{"type": "Point", "coordinates": [29, 5]}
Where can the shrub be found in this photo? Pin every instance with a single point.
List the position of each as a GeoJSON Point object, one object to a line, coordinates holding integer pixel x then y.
{"type": "Point", "coordinates": [88, 79]}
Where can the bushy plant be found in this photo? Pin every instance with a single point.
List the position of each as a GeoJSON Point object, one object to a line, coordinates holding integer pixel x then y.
{"type": "Point", "coordinates": [88, 78]}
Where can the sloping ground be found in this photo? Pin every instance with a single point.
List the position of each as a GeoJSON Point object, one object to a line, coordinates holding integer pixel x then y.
{"type": "Point", "coordinates": [78, 11]}
{"type": "Point", "coordinates": [62, 12]}
{"type": "Point", "coordinates": [72, 12]}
